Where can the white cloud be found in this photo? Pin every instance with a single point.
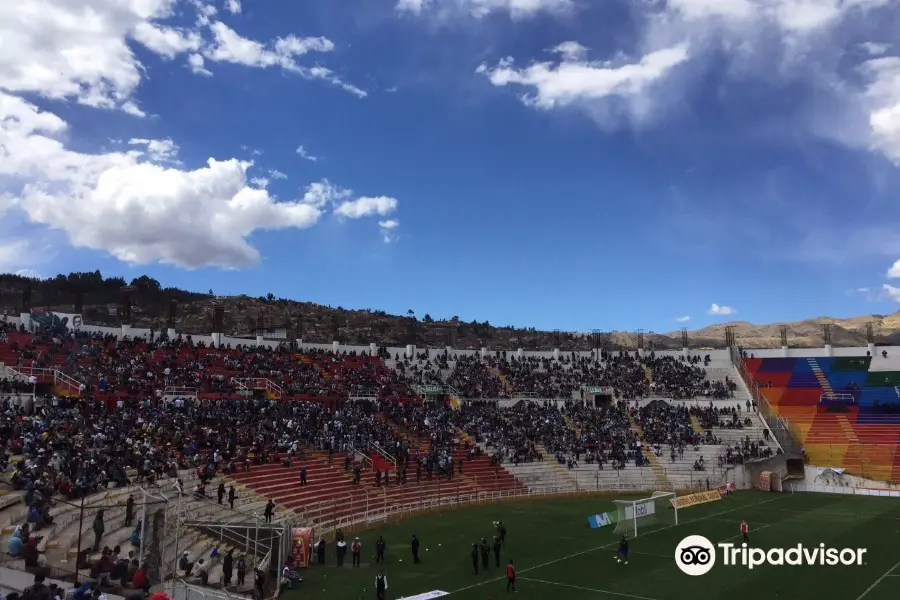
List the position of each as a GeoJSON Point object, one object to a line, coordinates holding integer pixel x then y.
{"type": "Point", "coordinates": [303, 153]}
{"type": "Point", "coordinates": [715, 309]}
{"type": "Point", "coordinates": [260, 182]}
{"type": "Point", "coordinates": [205, 12]}
{"type": "Point", "coordinates": [684, 319]}
{"type": "Point", "coordinates": [891, 292]}
{"type": "Point", "coordinates": [139, 209]}
{"type": "Point", "coordinates": [157, 150]}
{"type": "Point", "coordinates": [570, 51]}
{"type": "Point", "coordinates": [389, 230]}
{"type": "Point", "coordinates": [166, 41]}
{"type": "Point", "coordinates": [862, 290]}
{"type": "Point", "coordinates": [276, 174]}
{"type": "Point", "coordinates": [882, 96]}
{"type": "Point", "coordinates": [874, 49]}
{"type": "Point", "coordinates": [413, 6]}
{"type": "Point", "coordinates": [30, 273]}
{"type": "Point", "coordinates": [197, 65]}
{"type": "Point", "coordinates": [894, 271]}
{"type": "Point", "coordinates": [13, 254]}
{"type": "Point", "coordinates": [366, 207]}
{"type": "Point", "coordinates": [234, 6]}
{"type": "Point", "coordinates": [481, 8]}
{"type": "Point", "coordinates": [322, 193]}
{"type": "Point", "coordinates": [587, 83]}
{"type": "Point", "coordinates": [779, 42]}
{"type": "Point", "coordinates": [790, 42]}
{"type": "Point", "coordinates": [230, 47]}
{"type": "Point", "coordinates": [79, 49]}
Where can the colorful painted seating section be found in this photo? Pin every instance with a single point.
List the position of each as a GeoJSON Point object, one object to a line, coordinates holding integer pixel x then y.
{"type": "Point", "coordinates": [840, 409]}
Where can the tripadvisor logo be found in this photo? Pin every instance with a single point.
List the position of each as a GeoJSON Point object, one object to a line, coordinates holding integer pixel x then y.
{"type": "Point", "coordinates": [696, 555]}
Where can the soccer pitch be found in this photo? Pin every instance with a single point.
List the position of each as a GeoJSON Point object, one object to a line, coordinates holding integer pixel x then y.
{"type": "Point", "coordinates": [558, 556]}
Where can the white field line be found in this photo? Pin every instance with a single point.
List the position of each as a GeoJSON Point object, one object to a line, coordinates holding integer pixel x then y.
{"type": "Point", "coordinates": [887, 574]}
{"type": "Point", "coordinates": [616, 543]}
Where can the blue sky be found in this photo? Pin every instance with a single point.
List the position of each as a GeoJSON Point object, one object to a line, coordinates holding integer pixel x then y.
{"type": "Point", "coordinates": [562, 164]}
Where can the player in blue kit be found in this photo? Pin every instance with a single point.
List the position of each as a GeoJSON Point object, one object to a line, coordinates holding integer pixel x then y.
{"type": "Point", "coordinates": [622, 554]}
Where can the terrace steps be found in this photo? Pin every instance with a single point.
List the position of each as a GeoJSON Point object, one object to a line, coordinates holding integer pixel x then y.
{"type": "Point", "coordinates": [564, 475]}
{"type": "Point", "coordinates": [696, 426]}
{"type": "Point", "coordinates": [652, 460]}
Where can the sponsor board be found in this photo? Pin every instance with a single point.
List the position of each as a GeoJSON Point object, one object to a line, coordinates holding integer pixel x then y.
{"type": "Point", "coordinates": [694, 499]}
{"type": "Point", "coordinates": [728, 487]}
{"type": "Point", "coordinates": [600, 520]}
{"type": "Point", "coordinates": [641, 509]}
{"type": "Point", "coordinates": [695, 555]}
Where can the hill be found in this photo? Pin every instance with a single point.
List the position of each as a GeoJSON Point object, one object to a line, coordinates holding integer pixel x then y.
{"type": "Point", "coordinates": [103, 301]}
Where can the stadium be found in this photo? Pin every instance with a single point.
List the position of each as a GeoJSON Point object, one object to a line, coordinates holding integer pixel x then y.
{"type": "Point", "coordinates": [142, 460]}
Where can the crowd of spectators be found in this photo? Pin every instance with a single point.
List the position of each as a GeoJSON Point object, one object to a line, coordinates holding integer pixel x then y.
{"type": "Point", "coordinates": [139, 367]}
{"type": "Point", "coordinates": [503, 375]}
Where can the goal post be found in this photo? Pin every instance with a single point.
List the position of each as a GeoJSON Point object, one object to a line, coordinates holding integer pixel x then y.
{"type": "Point", "coordinates": [635, 516]}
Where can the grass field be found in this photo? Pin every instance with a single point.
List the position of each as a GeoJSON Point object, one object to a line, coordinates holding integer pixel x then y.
{"type": "Point", "coordinates": [558, 556]}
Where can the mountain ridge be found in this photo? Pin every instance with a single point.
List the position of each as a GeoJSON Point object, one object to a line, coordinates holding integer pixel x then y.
{"type": "Point", "coordinates": [103, 301]}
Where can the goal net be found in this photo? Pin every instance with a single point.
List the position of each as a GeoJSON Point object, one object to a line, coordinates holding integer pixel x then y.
{"type": "Point", "coordinates": [639, 516]}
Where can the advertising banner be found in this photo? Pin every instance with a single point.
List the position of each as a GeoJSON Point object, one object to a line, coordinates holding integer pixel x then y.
{"type": "Point", "coordinates": [695, 499]}
{"type": "Point", "coordinates": [302, 545]}
{"type": "Point", "coordinates": [601, 520]}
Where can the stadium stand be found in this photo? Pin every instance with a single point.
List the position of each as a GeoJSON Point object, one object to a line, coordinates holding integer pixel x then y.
{"type": "Point", "coordinates": [111, 415]}
{"type": "Point", "coordinates": [843, 410]}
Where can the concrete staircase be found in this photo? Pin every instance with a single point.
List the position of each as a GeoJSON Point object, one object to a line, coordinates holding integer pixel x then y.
{"type": "Point", "coordinates": [820, 377]}
{"type": "Point", "coordinates": [563, 477]}
{"type": "Point", "coordinates": [652, 460]}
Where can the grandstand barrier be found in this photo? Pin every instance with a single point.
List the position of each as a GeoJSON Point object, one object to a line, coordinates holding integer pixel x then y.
{"type": "Point", "coordinates": [363, 507]}
{"type": "Point", "coordinates": [172, 392]}
{"type": "Point", "coordinates": [374, 447]}
{"type": "Point", "coordinates": [785, 434]}
{"type": "Point", "coordinates": [373, 507]}
{"type": "Point", "coordinates": [361, 457]}
{"type": "Point", "coordinates": [65, 385]}
{"type": "Point", "coordinates": [363, 398]}
{"type": "Point", "coordinates": [259, 383]}
{"type": "Point", "coordinates": [842, 397]}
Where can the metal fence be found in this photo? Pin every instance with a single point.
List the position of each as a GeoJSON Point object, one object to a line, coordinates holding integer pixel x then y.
{"type": "Point", "coordinates": [83, 526]}
{"type": "Point", "coordinates": [364, 509]}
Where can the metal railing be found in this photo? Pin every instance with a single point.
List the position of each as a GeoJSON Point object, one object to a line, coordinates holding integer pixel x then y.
{"type": "Point", "coordinates": [837, 397]}
{"type": "Point", "coordinates": [785, 433]}
{"type": "Point", "coordinates": [67, 385]}
{"type": "Point", "coordinates": [363, 457]}
{"type": "Point", "coordinates": [360, 509]}
{"type": "Point", "coordinates": [258, 383]}
{"type": "Point", "coordinates": [383, 453]}
{"type": "Point", "coordinates": [365, 506]}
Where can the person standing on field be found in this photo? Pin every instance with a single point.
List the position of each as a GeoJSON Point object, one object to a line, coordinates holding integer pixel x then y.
{"type": "Point", "coordinates": [510, 577]}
